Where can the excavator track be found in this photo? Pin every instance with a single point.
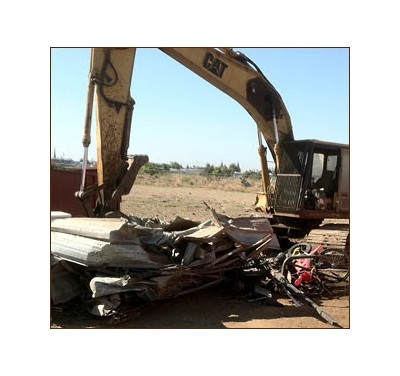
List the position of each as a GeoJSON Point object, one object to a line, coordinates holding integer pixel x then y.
{"type": "Point", "coordinates": [331, 234]}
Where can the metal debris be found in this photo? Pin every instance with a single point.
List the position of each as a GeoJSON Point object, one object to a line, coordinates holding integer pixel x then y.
{"type": "Point", "coordinates": [106, 305]}
{"type": "Point", "coordinates": [103, 261]}
{"type": "Point", "coordinates": [151, 259]}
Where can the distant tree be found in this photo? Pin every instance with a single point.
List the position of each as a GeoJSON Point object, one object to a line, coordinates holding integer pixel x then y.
{"type": "Point", "coordinates": [208, 169]}
{"type": "Point", "coordinates": [234, 168]}
{"type": "Point", "coordinates": [224, 169]}
{"type": "Point", "coordinates": [176, 165]}
{"type": "Point", "coordinates": [150, 168]}
{"type": "Point", "coordinates": [252, 174]}
{"type": "Point", "coordinates": [221, 170]}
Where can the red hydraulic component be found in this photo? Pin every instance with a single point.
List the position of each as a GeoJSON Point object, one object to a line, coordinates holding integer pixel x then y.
{"type": "Point", "coordinates": [303, 267]}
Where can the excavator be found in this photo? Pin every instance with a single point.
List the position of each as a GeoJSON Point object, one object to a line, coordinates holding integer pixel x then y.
{"type": "Point", "coordinates": [312, 177]}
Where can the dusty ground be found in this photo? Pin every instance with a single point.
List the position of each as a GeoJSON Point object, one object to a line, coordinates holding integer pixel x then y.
{"type": "Point", "coordinates": [168, 202]}
{"type": "Point", "coordinates": [167, 197]}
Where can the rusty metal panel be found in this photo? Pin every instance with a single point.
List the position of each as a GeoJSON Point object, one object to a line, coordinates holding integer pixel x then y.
{"type": "Point", "coordinates": [248, 230]}
{"type": "Point", "coordinates": [64, 182]}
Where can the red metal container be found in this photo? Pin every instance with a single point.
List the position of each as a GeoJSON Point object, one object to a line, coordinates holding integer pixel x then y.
{"type": "Point", "coordinates": [64, 182]}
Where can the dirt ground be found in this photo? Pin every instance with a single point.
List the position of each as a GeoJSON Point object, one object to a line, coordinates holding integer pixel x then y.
{"type": "Point", "coordinates": [218, 307]}
{"type": "Point", "coordinates": [187, 202]}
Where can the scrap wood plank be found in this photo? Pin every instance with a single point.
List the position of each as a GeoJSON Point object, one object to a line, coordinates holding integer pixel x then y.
{"type": "Point", "coordinates": [223, 244]}
{"type": "Point", "coordinates": [255, 250]}
{"type": "Point", "coordinates": [198, 263]}
{"type": "Point", "coordinates": [229, 254]}
{"type": "Point", "coordinates": [170, 286]}
{"type": "Point", "coordinates": [263, 246]}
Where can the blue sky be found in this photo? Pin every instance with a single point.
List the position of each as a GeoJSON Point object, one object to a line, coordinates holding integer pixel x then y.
{"type": "Point", "coordinates": [180, 117]}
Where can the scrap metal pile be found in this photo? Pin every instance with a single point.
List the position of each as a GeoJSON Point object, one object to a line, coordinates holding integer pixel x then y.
{"type": "Point", "coordinates": [106, 260]}
{"type": "Point", "coordinates": [151, 259]}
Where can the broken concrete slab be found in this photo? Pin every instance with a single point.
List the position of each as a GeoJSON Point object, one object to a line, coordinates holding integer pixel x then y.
{"type": "Point", "coordinates": [93, 252]}
{"type": "Point", "coordinates": [113, 230]}
{"type": "Point", "coordinates": [59, 215]}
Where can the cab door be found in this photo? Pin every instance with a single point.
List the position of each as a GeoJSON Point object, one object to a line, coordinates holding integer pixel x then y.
{"type": "Point", "coordinates": [344, 182]}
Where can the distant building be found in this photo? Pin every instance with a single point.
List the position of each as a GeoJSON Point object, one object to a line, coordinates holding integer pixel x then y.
{"type": "Point", "coordinates": [192, 171]}
{"type": "Point", "coordinates": [65, 162]}
{"type": "Point", "coordinates": [70, 163]}
{"type": "Point", "coordinates": [237, 175]}
{"type": "Point", "coordinates": [187, 171]}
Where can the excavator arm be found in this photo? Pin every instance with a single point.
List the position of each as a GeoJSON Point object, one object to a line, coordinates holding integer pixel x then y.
{"type": "Point", "coordinates": [230, 71]}
{"type": "Point", "coordinates": [109, 83]}
{"type": "Point", "coordinates": [236, 75]}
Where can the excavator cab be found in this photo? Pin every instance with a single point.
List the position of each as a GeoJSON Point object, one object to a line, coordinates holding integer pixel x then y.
{"type": "Point", "coordinates": [312, 182]}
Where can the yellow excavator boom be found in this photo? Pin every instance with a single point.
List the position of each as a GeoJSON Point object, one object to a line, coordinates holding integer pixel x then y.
{"type": "Point", "coordinates": [230, 71]}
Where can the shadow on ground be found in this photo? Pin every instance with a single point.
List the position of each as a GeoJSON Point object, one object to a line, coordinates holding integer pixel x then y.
{"type": "Point", "coordinates": [209, 309]}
